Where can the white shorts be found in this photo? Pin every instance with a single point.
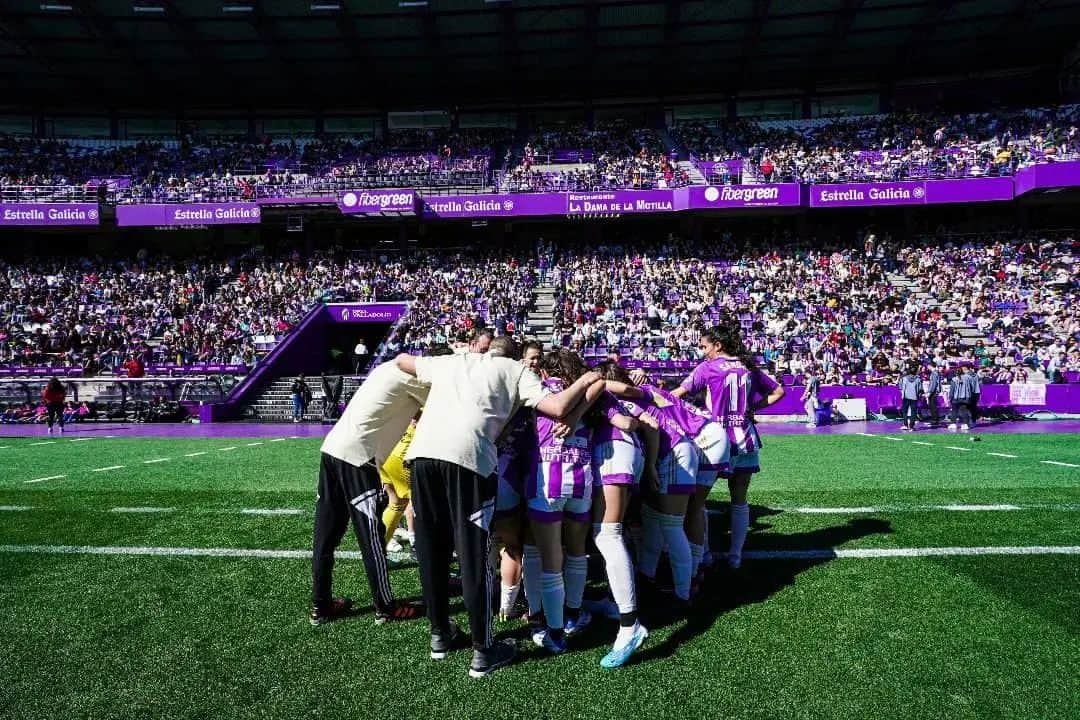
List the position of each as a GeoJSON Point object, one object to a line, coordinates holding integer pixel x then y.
{"type": "Point", "coordinates": [617, 463]}
{"type": "Point", "coordinates": [542, 509]}
{"type": "Point", "coordinates": [678, 469]}
{"type": "Point", "coordinates": [715, 453]}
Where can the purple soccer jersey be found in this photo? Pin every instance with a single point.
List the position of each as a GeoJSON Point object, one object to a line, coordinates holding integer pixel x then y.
{"type": "Point", "coordinates": [610, 406]}
{"type": "Point", "coordinates": [564, 465]}
{"type": "Point", "coordinates": [689, 418]}
{"type": "Point", "coordinates": [730, 388]}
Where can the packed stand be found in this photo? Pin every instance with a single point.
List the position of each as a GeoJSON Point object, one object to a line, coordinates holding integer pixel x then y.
{"type": "Point", "coordinates": [125, 317]}
{"type": "Point", "coordinates": [892, 147]}
{"type": "Point", "coordinates": [614, 156]}
{"type": "Point", "coordinates": [830, 308]}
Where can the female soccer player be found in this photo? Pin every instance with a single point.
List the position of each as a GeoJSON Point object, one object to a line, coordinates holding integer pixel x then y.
{"type": "Point", "coordinates": [734, 389]}
{"type": "Point", "coordinates": [663, 512]}
{"type": "Point", "coordinates": [696, 426]}
{"type": "Point", "coordinates": [395, 480]}
{"type": "Point", "coordinates": [620, 461]}
{"type": "Point", "coordinates": [559, 501]}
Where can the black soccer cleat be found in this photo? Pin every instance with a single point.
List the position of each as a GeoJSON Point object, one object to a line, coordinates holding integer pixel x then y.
{"type": "Point", "coordinates": [400, 610]}
{"type": "Point", "coordinates": [339, 608]}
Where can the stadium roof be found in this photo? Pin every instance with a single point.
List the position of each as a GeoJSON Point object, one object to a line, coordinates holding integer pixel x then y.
{"type": "Point", "coordinates": [379, 53]}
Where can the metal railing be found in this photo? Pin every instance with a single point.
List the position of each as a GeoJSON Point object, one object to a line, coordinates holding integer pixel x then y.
{"type": "Point", "coordinates": [47, 194]}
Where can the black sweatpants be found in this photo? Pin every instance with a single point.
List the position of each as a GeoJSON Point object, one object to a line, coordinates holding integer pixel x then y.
{"type": "Point", "coordinates": [961, 412]}
{"type": "Point", "coordinates": [932, 406]}
{"type": "Point", "coordinates": [453, 508]}
{"type": "Point", "coordinates": [349, 492]}
{"type": "Point", "coordinates": [56, 414]}
{"type": "Point", "coordinates": [910, 411]}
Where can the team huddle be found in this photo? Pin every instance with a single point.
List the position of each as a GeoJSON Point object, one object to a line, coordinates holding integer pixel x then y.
{"type": "Point", "coordinates": [515, 459]}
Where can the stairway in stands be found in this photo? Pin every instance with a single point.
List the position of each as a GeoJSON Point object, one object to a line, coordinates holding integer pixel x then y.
{"type": "Point", "coordinates": [969, 334]}
{"type": "Point", "coordinates": [542, 316]}
{"type": "Point", "coordinates": [274, 404]}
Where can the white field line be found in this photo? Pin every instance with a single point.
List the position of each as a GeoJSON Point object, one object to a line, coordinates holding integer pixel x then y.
{"type": "Point", "coordinates": [271, 511]}
{"type": "Point", "coordinates": [1055, 462]}
{"type": "Point", "coordinates": [227, 449]}
{"type": "Point", "coordinates": [953, 447]}
{"type": "Point", "coordinates": [925, 444]}
{"type": "Point", "coordinates": [958, 507]}
{"type": "Point", "coordinates": [866, 434]}
{"type": "Point", "coordinates": [815, 554]}
{"type": "Point", "coordinates": [886, 437]}
{"type": "Point", "coordinates": [43, 479]}
{"type": "Point", "coordinates": [142, 509]}
{"type": "Point", "coordinates": [47, 442]}
{"type": "Point", "coordinates": [111, 467]}
{"type": "Point", "coordinates": [1003, 455]}
{"type": "Point", "coordinates": [156, 460]}
{"type": "Point", "coordinates": [15, 508]}
{"type": "Point", "coordinates": [81, 439]}
{"type": "Point", "coordinates": [195, 454]}
{"type": "Point", "coordinates": [5, 447]}
{"type": "Point", "coordinates": [279, 439]}
{"type": "Point", "coordinates": [254, 444]}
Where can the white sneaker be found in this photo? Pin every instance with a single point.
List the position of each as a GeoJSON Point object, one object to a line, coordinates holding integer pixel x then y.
{"type": "Point", "coordinates": [952, 427]}
{"type": "Point", "coordinates": [401, 534]}
{"type": "Point", "coordinates": [811, 425]}
{"type": "Point", "coordinates": [394, 546]}
{"type": "Point", "coordinates": [965, 428]}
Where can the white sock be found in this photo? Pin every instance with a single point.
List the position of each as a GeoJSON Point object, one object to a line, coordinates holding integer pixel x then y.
{"type": "Point", "coordinates": [575, 573]}
{"type": "Point", "coordinates": [678, 552]}
{"type": "Point", "coordinates": [696, 553]}
{"type": "Point", "coordinates": [553, 593]}
{"type": "Point", "coordinates": [625, 633]}
{"type": "Point", "coordinates": [530, 577]}
{"type": "Point", "coordinates": [652, 540]}
{"type": "Point", "coordinates": [620, 573]}
{"type": "Point", "coordinates": [740, 526]}
{"type": "Point", "coordinates": [508, 597]}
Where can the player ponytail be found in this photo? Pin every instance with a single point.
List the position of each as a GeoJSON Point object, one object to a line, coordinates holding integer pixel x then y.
{"type": "Point", "coordinates": [728, 336]}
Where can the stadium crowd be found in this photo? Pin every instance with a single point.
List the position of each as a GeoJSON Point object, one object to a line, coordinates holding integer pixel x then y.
{"type": "Point", "coordinates": [612, 155]}
{"type": "Point", "coordinates": [888, 147]}
{"type": "Point", "coordinates": [801, 303]}
{"type": "Point", "coordinates": [832, 309]}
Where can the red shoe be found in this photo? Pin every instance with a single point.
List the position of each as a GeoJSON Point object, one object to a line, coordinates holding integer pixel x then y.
{"type": "Point", "coordinates": [339, 608]}
{"type": "Point", "coordinates": [400, 610]}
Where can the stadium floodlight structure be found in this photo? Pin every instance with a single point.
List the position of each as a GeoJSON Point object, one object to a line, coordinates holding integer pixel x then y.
{"type": "Point", "coordinates": [324, 6]}
{"type": "Point", "coordinates": [56, 7]}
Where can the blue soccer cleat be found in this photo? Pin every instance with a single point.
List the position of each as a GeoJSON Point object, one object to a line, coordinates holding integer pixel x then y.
{"type": "Point", "coordinates": [619, 655]}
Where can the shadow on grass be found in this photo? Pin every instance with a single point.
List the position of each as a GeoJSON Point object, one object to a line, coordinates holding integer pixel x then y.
{"type": "Point", "coordinates": [724, 590]}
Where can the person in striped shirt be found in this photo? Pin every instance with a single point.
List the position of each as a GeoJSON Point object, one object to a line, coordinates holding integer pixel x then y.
{"type": "Point", "coordinates": [735, 388]}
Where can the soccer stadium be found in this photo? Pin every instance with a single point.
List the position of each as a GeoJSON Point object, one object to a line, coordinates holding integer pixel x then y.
{"type": "Point", "coordinates": [539, 359]}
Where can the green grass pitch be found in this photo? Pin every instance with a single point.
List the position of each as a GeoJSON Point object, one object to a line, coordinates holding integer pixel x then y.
{"type": "Point", "coordinates": [122, 636]}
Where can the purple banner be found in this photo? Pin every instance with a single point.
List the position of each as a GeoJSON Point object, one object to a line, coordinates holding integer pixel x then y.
{"type": "Point", "coordinates": [611, 202]}
{"type": "Point", "coordinates": [1048, 175]}
{"type": "Point", "coordinates": [491, 205]}
{"type": "Point", "coordinates": [378, 312]}
{"type": "Point", "coordinates": [20, 214]}
{"type": "Point", "coordinates": [911, 192]}
{"type": "Point", "coordinates": [187, 214]}
{"type": "Point", "coordinates": [378, 202]}
{"type": "Point", "coordinates": [743, 196]}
